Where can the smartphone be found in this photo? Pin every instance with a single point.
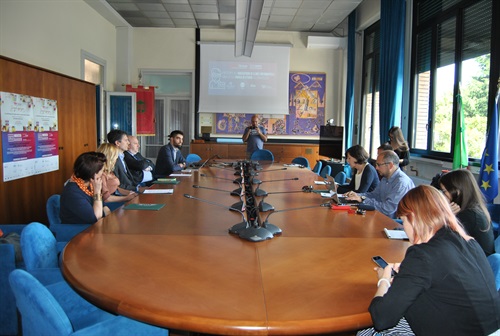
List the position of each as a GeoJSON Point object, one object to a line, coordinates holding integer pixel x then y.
{"type": "Point", "coordinates": [382, 263]}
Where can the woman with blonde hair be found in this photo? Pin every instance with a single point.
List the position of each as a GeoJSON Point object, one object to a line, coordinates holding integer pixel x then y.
{"type": "Point", "coordinates": [399, 146]}
{"type": "Point", "coordinates": [111, 193]}
{"type": "Point", "coordinates": [444, 285]}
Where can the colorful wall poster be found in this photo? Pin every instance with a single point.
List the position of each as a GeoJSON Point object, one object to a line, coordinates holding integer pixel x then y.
{"type": "Point", "coordinates": [306, 110]}
{"type": "Point", "coordinates": [29, 135]}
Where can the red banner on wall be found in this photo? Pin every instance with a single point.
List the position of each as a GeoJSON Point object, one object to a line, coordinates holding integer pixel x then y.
{"type": "Point", "coordinates": [145, 109]}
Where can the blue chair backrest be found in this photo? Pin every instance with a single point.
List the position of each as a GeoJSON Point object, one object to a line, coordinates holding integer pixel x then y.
{"type": "Point", "coordinates": [39, 247]}
{"type": "Point", "coordinates": [317, 167]}
{"type": "Point", "coordinates": [262, 154]}
{"type": "Point", "coordinates": [40, 311]}
{"type": "Point", "coordinates": [192, 158]}
{"type": "Point", "coordinates": [327, 170]}
{"type": "Point", "coordinates": [301, 161]}
{"type": "Point", "coordinates": [341, 177]}
{"type": "Point", "coordinates": [53, 209]}
{"type": "Point", "coordinates": [494, 260]}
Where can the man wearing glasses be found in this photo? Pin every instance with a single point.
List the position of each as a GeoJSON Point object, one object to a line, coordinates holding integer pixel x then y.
{"type": "Point", "coordinates": [392, 187]}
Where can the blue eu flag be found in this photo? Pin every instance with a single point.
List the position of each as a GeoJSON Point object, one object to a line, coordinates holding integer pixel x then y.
{"type": "Point", "coordinates": [488, 175]}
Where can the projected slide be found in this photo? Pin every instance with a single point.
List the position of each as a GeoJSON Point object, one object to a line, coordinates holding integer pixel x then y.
{"type": "Point", "coordinates": [242, 79]}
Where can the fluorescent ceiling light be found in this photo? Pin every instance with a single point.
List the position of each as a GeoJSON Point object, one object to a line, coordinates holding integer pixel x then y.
{"type": "Point", "coordinates": [248, 13]}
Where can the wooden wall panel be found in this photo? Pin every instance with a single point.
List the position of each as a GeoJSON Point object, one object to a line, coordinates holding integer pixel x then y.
{"type": "Point", "coordinates": [23, 200]}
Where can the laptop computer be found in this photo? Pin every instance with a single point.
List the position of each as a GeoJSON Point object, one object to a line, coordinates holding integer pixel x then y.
{"type": "Point", "coordinates": [340, 200]}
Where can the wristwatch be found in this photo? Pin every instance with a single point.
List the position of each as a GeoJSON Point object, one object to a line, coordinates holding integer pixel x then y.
{"type": "Point", "coordinates": [363, 198]}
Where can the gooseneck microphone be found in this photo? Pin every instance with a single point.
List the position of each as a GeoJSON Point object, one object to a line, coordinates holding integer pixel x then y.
{"type": "Point", "coordinates": [260, 192]}
{"type": "Point", "coordinates": [237, 205]}
{"type": "Point", "coordinates": [264, 207]}
{"type": "Point", "coordinates": [235, 192]}
{"type": "Point", "coordinates": [236, 228]}
{"type": "Point", "coordinates": [271, 227]}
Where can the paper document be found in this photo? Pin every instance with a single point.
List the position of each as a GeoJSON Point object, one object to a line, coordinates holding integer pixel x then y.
{"type": "Point", "coordinates": [180, 175]}
{"type": "Point", "coordinates": [159, 191]}
{"type": "Point", "coordinates": [328, 194]}
{"type": "Point", "coordinates": [395, 234]}
{"type": "Point", "coordinates": [144, 206]}
{"type": "Point", "coordinates": [185, 171]}
{"type": "Point", "coordinates": [320, 182]}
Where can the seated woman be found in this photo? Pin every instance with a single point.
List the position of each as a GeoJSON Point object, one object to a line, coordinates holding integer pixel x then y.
{"type": "Point", "coordinates": [365, 177]}
{"type": "Point", "coordinates": [444, 285]}
{"type": "Point", "coordinates": [81, 198]}
{"type": "Point", "coordinates": [468, 204]}
{"type": "Point", "coordinates": [112, 195]}
{"type": "Point", "coordinates": [399, 146]}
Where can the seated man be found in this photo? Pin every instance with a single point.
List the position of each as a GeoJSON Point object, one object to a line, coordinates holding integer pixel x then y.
{"type": "Point", "coordinates": [140, 167]}
{"type": "Point", "coordinates": [170, 158]}
{"type": "Point", "coordinates": [392, 187]}
{"type": "Point", "coordinates": [120, 139]}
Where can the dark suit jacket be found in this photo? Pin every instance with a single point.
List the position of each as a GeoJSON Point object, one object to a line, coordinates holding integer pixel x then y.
{"type": "Point", "coordinates": [137, 163]}
{"type": "Point", "coordinates": [165, 163]}
{"type": "Point", "coordinates": [126, 179]}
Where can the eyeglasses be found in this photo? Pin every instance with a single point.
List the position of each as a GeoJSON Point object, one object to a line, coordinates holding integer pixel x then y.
{"type": "Point", "coordinates": [381, 164]}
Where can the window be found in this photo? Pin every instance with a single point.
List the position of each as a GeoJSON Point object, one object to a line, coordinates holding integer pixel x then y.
{"type": "Point", "coordinates": [370, 104]}
{"type": "Point", "coordinates": [452, 49]}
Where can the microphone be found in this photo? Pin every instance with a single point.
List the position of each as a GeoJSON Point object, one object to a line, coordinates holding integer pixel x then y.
{"type": "Point", "coordinates": [264, 207]}
{"type": "Point", "coordinates": [233, 229]}
{"type": "Point", "coordinates": [272, 227]}
{"type": "Point", "coordinates": [237, 205]}
{"type": "Point", "coordinates": [211, 158]}
{"type": "Point", "coordinates": [260, 192]}
{"type": "Point", "coordinates": [235, 192]}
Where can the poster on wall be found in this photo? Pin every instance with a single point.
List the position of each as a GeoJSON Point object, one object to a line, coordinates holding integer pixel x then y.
{"type": "Point", "coordinates": [306, 105]}
{"type": "Point", "coordinates": [29, 135]}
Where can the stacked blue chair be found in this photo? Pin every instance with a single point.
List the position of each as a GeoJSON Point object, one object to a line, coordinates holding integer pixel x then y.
{"type": "Point", "coordinates": [262, 155]}
{"type": "Point", "coordinates": [300, 160]}
{"type": "Point", "coordinates": [8, 263]}
{"type": "Point", "coordinates": [326, 170]}
{"type": "Point", "coordinates": [43, 314]}
{"type": "Point", "coordinates": [317, 167]}
{"type": "Point", "coordinates": [494, 260]}
{"type": "Point", "coordinates": [63, 232]}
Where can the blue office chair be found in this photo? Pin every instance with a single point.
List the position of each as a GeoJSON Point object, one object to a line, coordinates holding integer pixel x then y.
{"type": "Point", "coordinates": [63, 232]}
{"type": "Point", "coordinates": [494, 260]}
{"type": "Point", "coordinates": [301, 161]}
{"type": "Point", "coordinates": [262, 155]}
{"type": "Point", "coordinates": [44, 314]}
{"type": "Point", "coordinates": [192, 158]}
{"type": "Point", "coordinates": [317, 167]}
{"type": "Point", "coordinates": [497, 244]}
{"type": "Point", "coordinates": [326, 170]}
{"type": "Point", "coordinates": [340, 178]}
{"type": "Point", "coordinates": [494, 210]}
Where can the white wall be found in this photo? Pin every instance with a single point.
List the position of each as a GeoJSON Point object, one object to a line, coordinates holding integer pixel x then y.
{"type": "Point", "coordinates": [51, 35]}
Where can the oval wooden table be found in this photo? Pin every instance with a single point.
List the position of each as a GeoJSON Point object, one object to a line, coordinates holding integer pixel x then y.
{"type": "Point", "coordinates": [180, 268]}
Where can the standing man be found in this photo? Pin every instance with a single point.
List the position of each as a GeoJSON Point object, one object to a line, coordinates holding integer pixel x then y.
{"type": "Point", "coordinates": [392, 187]}
{"type": "Point", "coordinates": [254, 136]}
{"type": "Point", "coordinates": [140, 167]}
{"type": "Point", "coordinates": [120, 139]}
{"type": "Point", "coordinates": [170, 158]}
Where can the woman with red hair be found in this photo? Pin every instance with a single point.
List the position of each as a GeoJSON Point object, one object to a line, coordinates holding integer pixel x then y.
{"type": "Point", "coordinates": [444, 285]}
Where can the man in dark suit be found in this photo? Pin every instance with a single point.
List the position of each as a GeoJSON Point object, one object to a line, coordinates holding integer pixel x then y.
{"type": "Point", "coordinates": [140, 168]}
{"type": "Point", "coordinates": [120, 139]}
{"type": "Point", "coordinates": [170, 158]}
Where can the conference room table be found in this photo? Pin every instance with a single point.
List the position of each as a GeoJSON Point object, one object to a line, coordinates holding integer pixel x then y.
{"type": "Point", "coordinates": [180, 268]}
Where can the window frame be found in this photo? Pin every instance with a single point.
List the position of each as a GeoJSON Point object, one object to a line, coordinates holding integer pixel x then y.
{"type": "Point", "coordinates": [456, 11]}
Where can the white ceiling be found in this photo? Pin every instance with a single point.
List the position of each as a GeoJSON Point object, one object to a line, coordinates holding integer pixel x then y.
{"type": "Point", "coordinates": [315, 16]}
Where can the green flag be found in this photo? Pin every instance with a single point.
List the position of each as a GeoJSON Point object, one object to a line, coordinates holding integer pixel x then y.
{"type": "Point", "coordinates": [460, 158]}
